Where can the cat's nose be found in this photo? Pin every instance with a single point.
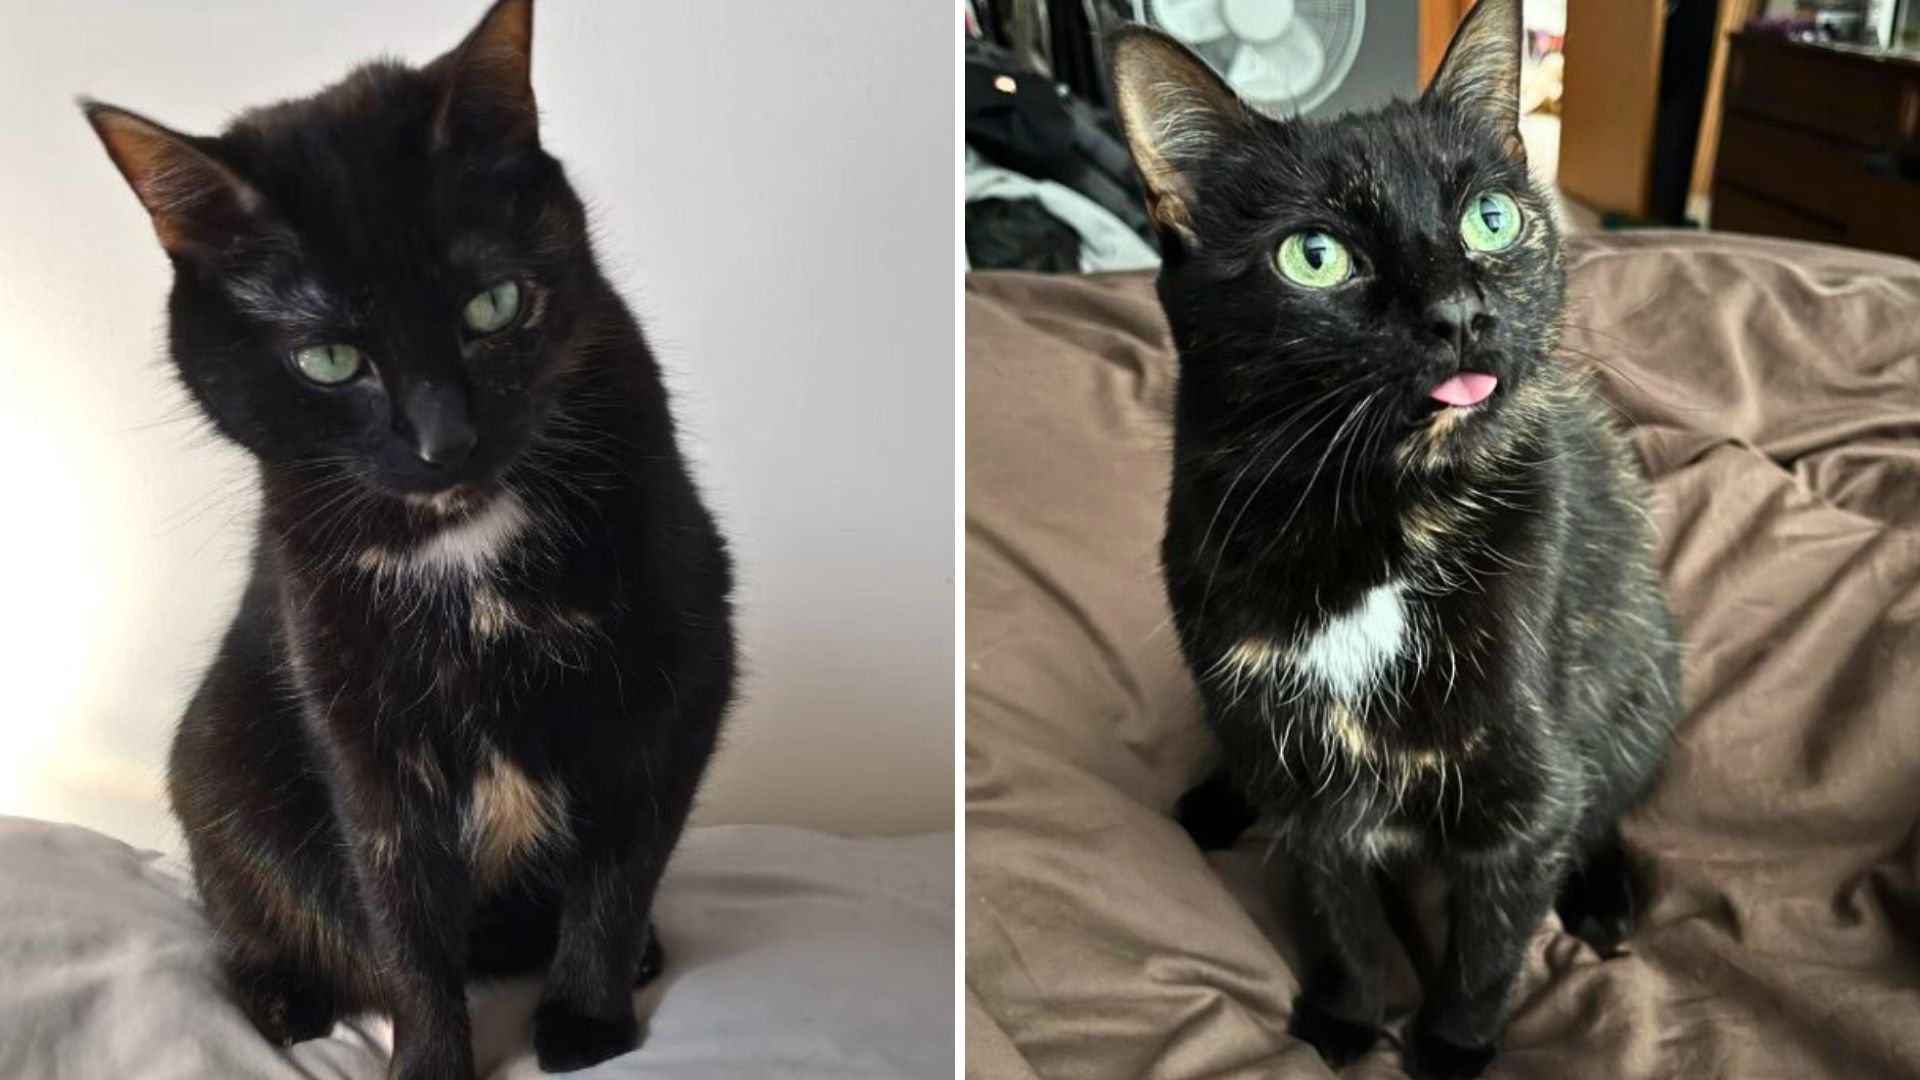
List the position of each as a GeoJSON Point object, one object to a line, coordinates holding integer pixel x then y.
{"type": "Point", "coordinates": [437, 424]}
{"type": "Point", "coordinates": [1458, 319]}
{"type": "Point", "coordinates": [445, 447]}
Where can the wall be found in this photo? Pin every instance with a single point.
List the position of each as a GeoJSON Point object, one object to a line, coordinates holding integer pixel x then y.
{"type": "Point", "coordinates": [774, 195]}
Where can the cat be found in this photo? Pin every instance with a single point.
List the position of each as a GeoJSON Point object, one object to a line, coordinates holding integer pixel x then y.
{"type": "Point", "coordinates": [1405, 548]}
{"type": "Point", "coordinates": [458, 721]}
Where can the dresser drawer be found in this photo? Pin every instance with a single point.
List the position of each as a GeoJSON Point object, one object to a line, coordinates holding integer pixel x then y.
{"type": "Point", "coordinates": [1855, 98]}
{"type": "Point", "coordinates": [1813, 173]}
{"type": "Point", "coordinates": [1738, 211]}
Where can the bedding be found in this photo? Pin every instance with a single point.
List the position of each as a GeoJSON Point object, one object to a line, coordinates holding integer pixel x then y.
{"type": "Point", "coordinates": [790, 953]}
{"type": "Point", "coordinates": [1773, 392]}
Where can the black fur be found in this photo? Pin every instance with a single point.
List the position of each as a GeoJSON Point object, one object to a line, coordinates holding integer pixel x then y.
{"type": "Point", "coordinates": [1527, 687]}
{"type": "Point", "coordinates": [457, 724]}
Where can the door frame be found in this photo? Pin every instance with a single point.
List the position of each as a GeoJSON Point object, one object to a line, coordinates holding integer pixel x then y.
{"type": "Point", "coordinates": [1438, 20]}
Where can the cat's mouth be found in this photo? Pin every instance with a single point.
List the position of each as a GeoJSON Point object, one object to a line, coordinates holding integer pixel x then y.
{"type": "Point", "coordinates": [445, 502]}
{"type": "Point", "coordinates": [1464, 389]}
{"type": "Point", "coordinates": [1457, 395]}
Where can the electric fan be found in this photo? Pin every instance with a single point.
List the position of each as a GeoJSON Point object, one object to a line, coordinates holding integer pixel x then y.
{"type": "Point", "coordinates": [1283, 56]}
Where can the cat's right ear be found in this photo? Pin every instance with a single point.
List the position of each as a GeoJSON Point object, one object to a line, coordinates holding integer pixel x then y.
{"type": "Point", "coordinates": [1176, 113]}
{"type": "Point", "coordinates": [486, 97]}
{"type": "Point", "coordinates": [197, 204]}
{"type": "Point", "coordinates": [1481, 72]}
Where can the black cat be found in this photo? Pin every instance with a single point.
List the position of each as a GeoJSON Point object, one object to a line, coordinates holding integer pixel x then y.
{"type": "Point", "coordinates": [457, 724]}
{"type": "Point", "coordinates": [1406, 552]}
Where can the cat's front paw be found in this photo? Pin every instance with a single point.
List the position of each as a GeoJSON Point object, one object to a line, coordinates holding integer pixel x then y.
{"type": "Point", "coordinates": [652, 959]}
{"type": "Point", "coordinates": [1435, 1057]}
{"type": "Point", "coordinates": [1214, 814]}
{"type": "Point", "coordinates": [1598, 910]}
{"type": "Point", "coordinates": [287, 1010]}
{"type": "Point", "coordinates": [1604, 933]}
{"type": "Point", "coordinates": [1339, 1041]}
{"type": "Point", "coordinates": [565, 1039]}
{"type": "Point", "coordinates": [1598, 902]}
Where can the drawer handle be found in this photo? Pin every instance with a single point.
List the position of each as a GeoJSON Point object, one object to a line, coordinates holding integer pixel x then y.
{"type": "Point", "coordinates": [1902, 164]}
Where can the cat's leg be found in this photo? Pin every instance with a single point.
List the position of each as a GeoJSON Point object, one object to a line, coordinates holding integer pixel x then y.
{"type": "Point", "coordinates": [1340, 1006]}
{"type": "Point", "coordinates": [285, 919]}
{"type": "Point", "coordinates": [1497, 904]}
{"type": "Point", "coordinates": [267, 858]}
{"type": "Point", "coordinates": [1214, 813]}
{"type": "Point", "coordinates": [416, 890]}
{"type": "Point", "coordinates": [287, 934]}
{"type": "Point", "coordinates": [1599, 900]}
{"type": "Point", "coordinates": [586, 1010]}
{"type": "Point", "coordinates": [628, 804]}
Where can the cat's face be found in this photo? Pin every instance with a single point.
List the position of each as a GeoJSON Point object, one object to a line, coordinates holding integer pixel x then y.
{"type": "Point", "coordinates": [1384, 283]}
{"type": "Point", "coordinates": [379, 280]}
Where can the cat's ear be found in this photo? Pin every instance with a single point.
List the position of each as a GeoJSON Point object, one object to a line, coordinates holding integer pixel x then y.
{"type": "Point", "coordinates": [1176, 113]}
{"type": "Point", "coordinates": [1481, 72]}
{"type": "Point", "coordinates": [486, 97]}
{"type": "Point", "coordinates": [197, 204]}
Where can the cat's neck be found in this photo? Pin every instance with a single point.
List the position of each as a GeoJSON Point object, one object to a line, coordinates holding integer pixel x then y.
{"type": "Point", "coordinates": [1317, 539]}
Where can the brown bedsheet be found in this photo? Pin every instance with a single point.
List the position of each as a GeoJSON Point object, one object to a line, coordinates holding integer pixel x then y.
{"type": "Point", "coordinates": [1774, 391]}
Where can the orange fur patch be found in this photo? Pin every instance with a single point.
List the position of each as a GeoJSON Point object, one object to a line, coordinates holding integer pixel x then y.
{"type": "Point", "coordinates": [509, 817]}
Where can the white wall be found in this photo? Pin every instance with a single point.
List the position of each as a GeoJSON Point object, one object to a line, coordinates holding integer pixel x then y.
{"type": "Point", "coordinates": [773, 195]}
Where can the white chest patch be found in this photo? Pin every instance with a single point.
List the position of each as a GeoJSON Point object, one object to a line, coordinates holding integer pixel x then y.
{"type": "Point", "coordinates": [1351, 653]}
{"type": "Point", "coordinates": [463, 549]}
{"type": "Point", "coordinates": [1390, 840]}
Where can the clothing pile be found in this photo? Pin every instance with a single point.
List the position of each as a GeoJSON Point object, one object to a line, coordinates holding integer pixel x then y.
{"type": "Point", "coordinates": [1049, 186]}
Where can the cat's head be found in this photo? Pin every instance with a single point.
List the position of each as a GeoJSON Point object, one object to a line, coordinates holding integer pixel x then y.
{"type": "Point", "coordinates": [1391, 278]}
{"type": "Point", "coordinates": [380, 280]}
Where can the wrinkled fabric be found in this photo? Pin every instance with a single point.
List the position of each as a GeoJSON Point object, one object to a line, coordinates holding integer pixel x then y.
{"type": "Point", "coordinates": [1773, 391]}
{"type": "Point", "coordinates": [789, 953]}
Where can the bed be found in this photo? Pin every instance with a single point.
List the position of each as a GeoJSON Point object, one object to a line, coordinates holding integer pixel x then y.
{"type": "Point", "coordinates": [791, 953]}
{"type": "Point", "coordinates": [1773, 391]}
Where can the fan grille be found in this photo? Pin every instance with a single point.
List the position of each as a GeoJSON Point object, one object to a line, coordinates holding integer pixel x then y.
{"type": "Point", "coordinates": [1336, 23]}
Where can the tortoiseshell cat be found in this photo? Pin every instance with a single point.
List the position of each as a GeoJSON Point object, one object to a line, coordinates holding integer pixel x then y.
{"type": "Point", "coordinates": [457, 724]}
{"type": "Point", "coordinates": [1406, 551]}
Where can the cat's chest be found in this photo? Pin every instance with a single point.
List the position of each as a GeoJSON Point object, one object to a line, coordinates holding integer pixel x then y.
{"type": "Point", "coordinates": [458, 614]}
{"type": "Point", "coordinates": [1351, 654]}
{"type": "Point", "coordinates": [1392, 713]}
{"type": "Point", "coordinates": [1398, 681]}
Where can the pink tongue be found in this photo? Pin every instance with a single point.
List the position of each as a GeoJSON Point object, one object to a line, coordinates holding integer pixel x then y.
{"type": "Point", "coordinates": [1466, 388]}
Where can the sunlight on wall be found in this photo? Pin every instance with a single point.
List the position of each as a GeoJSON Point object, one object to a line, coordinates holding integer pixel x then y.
{"type": "Point", "coordinates": [57, 599]}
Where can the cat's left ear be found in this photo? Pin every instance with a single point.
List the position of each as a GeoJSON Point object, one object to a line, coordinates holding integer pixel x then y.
{"type": "Point", "coordinates": [486, 99]}
{"type": "Point", "coordinates": [1481, 72]}
{"type": "Point", "coordinates": [197, 203]}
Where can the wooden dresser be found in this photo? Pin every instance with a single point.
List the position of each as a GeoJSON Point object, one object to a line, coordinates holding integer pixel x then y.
{"type": "Point", "coordinates": [1820, 143]}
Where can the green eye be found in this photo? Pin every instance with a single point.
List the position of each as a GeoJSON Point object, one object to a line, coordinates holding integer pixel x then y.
{"type": "Point", "coordinates": [1315, 260]}
{"type": "Point", "coordinates": [329, 365]}
{"type": "Point", "coordinates": [493, 310]}
{"type": "Point", "coordinates": [1492, 222]}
